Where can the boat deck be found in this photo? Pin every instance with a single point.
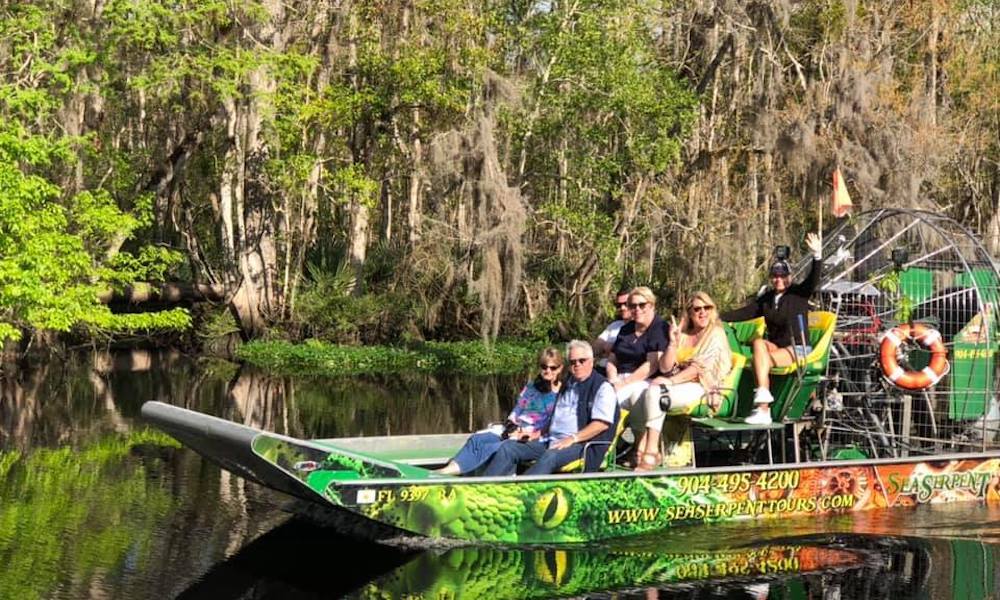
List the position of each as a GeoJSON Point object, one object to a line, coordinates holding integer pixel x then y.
{"type": "Point", "coordinates": [415, 450]}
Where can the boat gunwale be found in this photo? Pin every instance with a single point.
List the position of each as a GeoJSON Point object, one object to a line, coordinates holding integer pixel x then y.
{"type": "Point", "coordinates": [687, 471]}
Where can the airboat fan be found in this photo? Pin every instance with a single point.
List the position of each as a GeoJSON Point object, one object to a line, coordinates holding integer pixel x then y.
{"type": "Point", "coordinates": [912, 367]}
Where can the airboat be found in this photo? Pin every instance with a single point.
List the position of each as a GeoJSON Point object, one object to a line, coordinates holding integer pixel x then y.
{"type": "Point", "coordinates": [895, 406]}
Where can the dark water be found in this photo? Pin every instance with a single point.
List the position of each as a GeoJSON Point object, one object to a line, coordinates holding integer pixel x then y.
{"type": "Point", "coordinates": [94, 505]}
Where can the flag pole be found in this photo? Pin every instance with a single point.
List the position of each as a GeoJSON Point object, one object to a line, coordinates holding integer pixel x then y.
{"type": "Point", "coordinates": [819, 227]}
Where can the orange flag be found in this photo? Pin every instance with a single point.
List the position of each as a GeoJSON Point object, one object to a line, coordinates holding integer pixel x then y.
{"type": "Point", "coordinates": [842, 204]}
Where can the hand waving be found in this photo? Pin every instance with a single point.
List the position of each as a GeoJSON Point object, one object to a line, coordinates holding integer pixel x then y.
{"type": "Point", "coordinates": [814, 244]}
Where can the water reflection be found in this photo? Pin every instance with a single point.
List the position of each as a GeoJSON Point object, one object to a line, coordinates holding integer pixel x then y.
{"type": "Point", "coordinates": [817, 566]}
{"type": "Point", "coordinates": [63, 402]}
{"type": "Point", "coordinates": [92, 505]}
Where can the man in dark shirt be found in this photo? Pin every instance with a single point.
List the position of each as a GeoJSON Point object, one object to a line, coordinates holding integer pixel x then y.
{"type": "Point", "coordinates": [785, 309]}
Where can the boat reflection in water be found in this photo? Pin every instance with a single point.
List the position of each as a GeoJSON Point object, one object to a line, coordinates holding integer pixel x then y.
{"type": "Point", "coordinates": [294, 560]}
{"type": "Point", "coordinates": [853, 566]}
{"type": "Point", "coordinates": [498, 574]}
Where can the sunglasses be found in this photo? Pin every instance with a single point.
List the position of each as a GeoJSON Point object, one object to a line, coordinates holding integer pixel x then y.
{"type": "Point", "coordinates": [578, 361]}
{"type": "Point", "coordinates": [702, 308]}
{"type": "Point", "coordinates": [637, 305]}
{"type": "Point", "coordinates": [548, 367]}
{"type": "Point", "coordinates": [621, 304]}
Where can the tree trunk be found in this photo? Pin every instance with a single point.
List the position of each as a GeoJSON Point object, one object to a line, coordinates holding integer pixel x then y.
{"type": "Point", "coordinates": [249, 221]}
{"type": "Point", "coordinates": [992, 237]}
{"type": "Point", "coordinates": [413, 205]}
{"type": "Point", "coordinates": [358, 247]}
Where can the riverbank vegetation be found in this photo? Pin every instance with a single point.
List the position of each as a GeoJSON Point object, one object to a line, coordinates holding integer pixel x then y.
{"type": "Point", "coordinates": [360, 172]}
{"type": "Point", "coordinates": [318, 358]}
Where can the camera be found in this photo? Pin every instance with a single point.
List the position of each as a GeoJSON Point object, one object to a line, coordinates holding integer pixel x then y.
{"type": "Point", "coordinates": [899, 257]}
{"type": "Point", "coordinates": [508, 428]}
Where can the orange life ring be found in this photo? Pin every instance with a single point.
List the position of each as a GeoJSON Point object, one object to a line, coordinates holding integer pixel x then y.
{"type": "Point", "coordinates": [930, 340]}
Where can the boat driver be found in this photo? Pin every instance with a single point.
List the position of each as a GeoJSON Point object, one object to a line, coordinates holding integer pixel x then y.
{"type": "Point", "coordinates": [586, 411]}
{"type": "Point", "coordinates": [785, 307]}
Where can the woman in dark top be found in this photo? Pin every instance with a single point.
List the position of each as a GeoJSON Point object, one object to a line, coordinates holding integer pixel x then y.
{"type": "Point", "coordinates": [636, 351]}
{"type": "Point", "coordinates": [785, 309]}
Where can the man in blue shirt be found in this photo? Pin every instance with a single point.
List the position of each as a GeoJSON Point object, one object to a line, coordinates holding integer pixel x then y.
{"type": "Point", "coordinates": [586, 411]}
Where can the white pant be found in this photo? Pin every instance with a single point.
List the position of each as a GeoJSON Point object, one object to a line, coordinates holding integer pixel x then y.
{"type": "Point", "coordinates": [645, 405]}
{"type": "Point", "coordinates": [627, 392]}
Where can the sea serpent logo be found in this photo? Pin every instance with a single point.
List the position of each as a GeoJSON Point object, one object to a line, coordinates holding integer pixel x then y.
{"type": "Point", "coordinates": [552, 567]}
{"type": "Point", "coordinates": [551, 509]}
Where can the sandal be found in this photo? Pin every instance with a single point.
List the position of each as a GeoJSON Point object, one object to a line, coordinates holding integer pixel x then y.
{"type": "Point", "coordinates": [650, 461]}
{"type": "Point", "coordinates": [629, 461]}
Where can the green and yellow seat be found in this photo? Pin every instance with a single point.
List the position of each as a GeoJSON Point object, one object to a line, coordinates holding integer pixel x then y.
{"type": "Point", "coordinates": [728, 389]}
{"type": "Point", "coordinates": [792, 396]}
{"type": "Point", "coordinates": [576, 466]}
{"type": "Point", "coordinates": [741, 335]}
{"type": "Point", "coordinates": [783, 379]}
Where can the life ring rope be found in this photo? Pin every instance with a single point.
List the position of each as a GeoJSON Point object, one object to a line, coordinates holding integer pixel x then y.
{"type": "Point", "coordinates": [926, 337]}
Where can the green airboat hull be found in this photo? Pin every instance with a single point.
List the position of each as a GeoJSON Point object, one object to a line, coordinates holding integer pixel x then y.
{"type": "Point", "coordinates": [378, 486]}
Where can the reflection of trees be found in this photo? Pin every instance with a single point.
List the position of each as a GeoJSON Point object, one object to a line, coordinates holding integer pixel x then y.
{"type": "Point", "coordinates": [402, 404]}
{"type": "Point", "coordinates": [47, 404]}
{"type": "Point", "coordinates": [19, 406]}
{"type": "Point", "coordinates": [69, 518]}
{"type": "Point", "coordinates": [398, 404]}
{"type": "Point", "coordinates": [97, 518]}
{"type": "Point", "coordinates": [258, 400]}
{"type": "Point", "coordinates": [66, 400]}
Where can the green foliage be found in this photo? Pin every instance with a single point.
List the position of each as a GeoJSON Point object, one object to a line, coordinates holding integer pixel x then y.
{"type": "Point", "coordinates": [586, 108]}
{"type": "Point", "coordinates": [558, 323]}
{"type": "Point", "coordinates": [318, 358]}
{"type": "Point", "coordinates": [587, 229]}
{"type": "Point", "coordinates": [151, 264]}
{"type": "Point", "coordinates": [816, 22]}
{"type": "Point", "coordinates": [48, 497]}
{"type": "Point", "coordinates": [605, 109]}
{"type": "Point", "coordinates": [174, 319]}
{"type": "Point", "coordinates": [58, 250]}
{"type": "Point", "coordinates": [327, 309]}
{"type": "Point", "coordinates": [217, 324]}
{"type": "Point", "coordinates": [352, 183]}
{"type": "Point", "coordinates": [891, 284]}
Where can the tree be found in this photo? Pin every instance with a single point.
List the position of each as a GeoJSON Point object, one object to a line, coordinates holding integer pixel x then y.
{"type": "Point", "coordinates": [58, 249]}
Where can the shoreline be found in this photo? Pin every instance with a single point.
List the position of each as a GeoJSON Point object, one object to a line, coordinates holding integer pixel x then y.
{"type": "Point", "coordinates": [318, 358]}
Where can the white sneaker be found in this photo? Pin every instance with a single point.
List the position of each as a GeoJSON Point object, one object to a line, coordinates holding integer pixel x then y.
{"type": "Point", "coordinates": [759, 416]}
{"type": "Point", "coordinates": [762, 395]}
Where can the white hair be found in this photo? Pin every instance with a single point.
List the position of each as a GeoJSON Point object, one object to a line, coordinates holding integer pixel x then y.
{"type": "Point", "coordinates": [580, 345]}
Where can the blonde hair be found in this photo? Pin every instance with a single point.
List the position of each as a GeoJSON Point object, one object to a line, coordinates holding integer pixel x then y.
{"type": "Point", "coordinates": [550, 354]}
{"type": "Point", "coordinates": [713, 315]}
{"type": "Point", "coordinates": [643, 292]}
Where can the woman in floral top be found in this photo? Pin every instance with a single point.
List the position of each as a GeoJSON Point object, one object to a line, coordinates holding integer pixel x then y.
{"type": "Point", "coordinates": [530, 416]}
